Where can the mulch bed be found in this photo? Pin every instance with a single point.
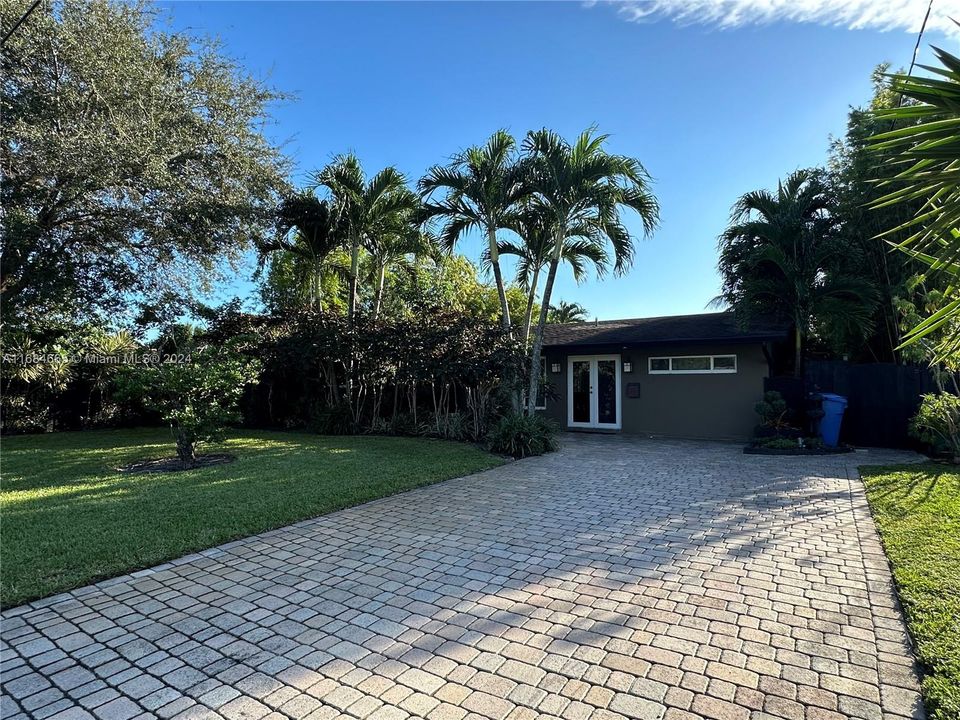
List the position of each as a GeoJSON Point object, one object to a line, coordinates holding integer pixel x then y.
{"type": "Point", "coordinates": [173, 464]}
{"type": "Point", "coordinates": [754, 450]}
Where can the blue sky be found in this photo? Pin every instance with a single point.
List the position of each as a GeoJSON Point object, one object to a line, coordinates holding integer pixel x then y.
{"type": "Point", "coordinates": [712, 112]}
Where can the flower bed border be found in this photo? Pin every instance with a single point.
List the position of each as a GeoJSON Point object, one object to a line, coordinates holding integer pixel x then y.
{"type": "Point", "coordinates": [755, 450]}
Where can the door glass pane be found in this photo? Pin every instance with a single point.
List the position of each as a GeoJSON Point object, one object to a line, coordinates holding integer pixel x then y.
{"type": "Point", "coordinates": [607, 391]}
{"type": "Point", "coordinates": [581, 391]}
{"type": "Point", "coordinates": [690, 363]}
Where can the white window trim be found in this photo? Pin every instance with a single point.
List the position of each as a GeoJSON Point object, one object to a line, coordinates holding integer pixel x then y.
{"type": "Point", "coordinates": [712, 371]}
{"type": "Point", "coordinates": [594, 397]}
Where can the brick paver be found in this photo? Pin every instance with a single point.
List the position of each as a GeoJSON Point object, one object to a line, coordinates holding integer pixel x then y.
{"type": "Point", "coordinates": [618, 578]}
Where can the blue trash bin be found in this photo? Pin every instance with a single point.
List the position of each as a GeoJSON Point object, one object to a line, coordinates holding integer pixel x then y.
{"type": "Point", "coordinates": [833, 407]}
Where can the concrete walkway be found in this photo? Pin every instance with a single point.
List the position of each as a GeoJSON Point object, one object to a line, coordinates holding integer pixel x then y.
{"type": "Point", "coordinates": [617, 578]}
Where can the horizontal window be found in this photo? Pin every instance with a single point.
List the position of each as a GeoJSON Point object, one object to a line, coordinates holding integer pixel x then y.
{"type": "Point", "coordinates": [693, 364]}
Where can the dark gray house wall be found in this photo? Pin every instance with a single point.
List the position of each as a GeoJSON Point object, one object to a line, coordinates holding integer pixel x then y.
{"type": "Point", "coordinates": [708, 399]}
{"type": "Point", "coordinates": [714, 406]}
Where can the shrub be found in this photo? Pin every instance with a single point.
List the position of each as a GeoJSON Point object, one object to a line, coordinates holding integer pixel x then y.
{"type": "Point", "coordinates": [198, 396]}
{"type": "Point", "coordinates": [521, 436]}
{"type": "Point", "coordinates": [937, 423]}
{"type": "Point", "coordinates": [334, 420]}
{"type": "Point", "coordinates": [772, 410]}
{"type": "Point", "coordinates": [774, 414]}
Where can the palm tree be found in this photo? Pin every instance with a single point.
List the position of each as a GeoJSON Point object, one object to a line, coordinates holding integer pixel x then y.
{"type": "Point", "coordinates": [308, 229]}
{"type": "Point", "coordinates": [482, 188]}
{"type": "Point", "coordinates": [780, 257]}
{"type": "Point", "coordinates": [393, 245]}
{"type": "Point", "coordinates": [926, 156]}
{"type": "Point", "coordinates": [577, 185]}
{"type": "Point", "coordinates": [580, 247]}
{"type": "Point", "coordinates": [566, 312]}
{"type": "Point", "coordinates": [364, 207]}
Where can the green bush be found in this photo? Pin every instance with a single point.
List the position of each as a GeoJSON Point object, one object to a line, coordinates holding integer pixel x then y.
{"type": "Point", "coordinates": [334, 420]}
{"type": "Point", "coordinates": [773, 411]}
{"type": "Point", "coordinates": [197, 395]}
{"type": "Point", "coordinates": [937, 423]}
{"type": "Point", "coordinates": [521, 436]}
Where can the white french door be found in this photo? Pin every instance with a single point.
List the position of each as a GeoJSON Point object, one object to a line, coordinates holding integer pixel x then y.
{"type": "Point", "coordinates": [593, 391]}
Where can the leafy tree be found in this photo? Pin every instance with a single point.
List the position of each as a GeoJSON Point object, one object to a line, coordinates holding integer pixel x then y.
{"type": "Point", "coordinates": [133, 158]}
{"type": "Point", "coordinates": [285, 280]}
{"type": "Point", "coordinates": [565, 312]}
{"type": "Point", "coordinates": [581, 184]}
{"type": "Point", "coordinates": [926, 157]}
{"type": "Point", "coordinates": [367, 208]}
{"type": "Point", "coordinates": [927, 301]}
{"type": "Point", "coordinates": [197, 397]}
{"type": "Point", "coordinates": [393, 247]}
{"type": "Point", "coordinates": [308, 230]}
{"type": "Point", "coordinates": [33, 373]}
{"type": "Point", "coordinates": [451, 282]}
{"type": "Point", "coordinates": [481, 189]}
{"type": "Point", "coordinates": [107, 351]}
{"type": "Point", "coordinates": [937, 423]}
{"type": "Point", "coordinates": [781, 258]}
{"type": "Point", "coordinates": [854, 178]}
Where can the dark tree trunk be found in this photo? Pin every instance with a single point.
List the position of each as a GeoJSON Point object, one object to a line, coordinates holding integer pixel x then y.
{"type": "Point", "coordinates": [186, 449]}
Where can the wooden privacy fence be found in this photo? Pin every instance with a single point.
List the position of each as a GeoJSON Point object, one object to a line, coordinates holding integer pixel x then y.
{"type": "Point", "coordinates": [882, 397]}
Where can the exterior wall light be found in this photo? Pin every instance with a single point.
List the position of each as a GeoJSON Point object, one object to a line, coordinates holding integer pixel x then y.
{"type": "Point", "coordinates": [555, 367]}
{"type": "Point", "coordinates": [627, 366]}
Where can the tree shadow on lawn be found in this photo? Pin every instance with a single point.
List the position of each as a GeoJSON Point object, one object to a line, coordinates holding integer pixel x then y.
{"type": "Point", "coordinates": [886, 483]}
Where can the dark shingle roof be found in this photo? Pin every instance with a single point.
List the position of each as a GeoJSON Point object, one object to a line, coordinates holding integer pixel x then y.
{"type": "Point", "coordinates": [693, 329]}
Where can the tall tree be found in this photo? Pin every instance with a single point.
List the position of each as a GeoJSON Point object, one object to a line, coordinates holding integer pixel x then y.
{"type": "Point", "coordinates": [133, 159]}
{"type": "Point", "coordinates": [366, 208]}
{"type": "Point", "coordinates": [308, 229]}
{"type": "Point", "coordinates": [854, 178]}
{"type": "Point", "coordinates": [781, 256]}
{"type": "Point", "coordinates": [481, 189]}
{"type": "Point", "coordinates": [581, 184]}
{"type": "Point", "coordinates": [580, 249]}
{"type": "Point", "coordinates": [926, 157]}
{"type": "Point", "coordinates": [394, 245]}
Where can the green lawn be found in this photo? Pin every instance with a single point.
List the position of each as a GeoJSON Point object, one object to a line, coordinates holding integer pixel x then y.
{"type": "Point", "coordinates": [68, 518]}
{"type": "Point", "coordinates": [917, 510]}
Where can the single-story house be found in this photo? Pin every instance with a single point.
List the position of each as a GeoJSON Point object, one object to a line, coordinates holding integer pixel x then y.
{"type": "Point", "coordinates": [693, 376]}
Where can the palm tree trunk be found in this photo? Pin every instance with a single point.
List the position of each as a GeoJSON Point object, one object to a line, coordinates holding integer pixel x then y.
{"type": "Point", "coordinates": [315, 285]}
{"type": "Point", "coordinates": [515, 399]}
{"type": "Point", "coordinates": [378, 292]}
{"type": "Point", "coordinates": [498, 277]}
{"type": "Point", "coordinates": [798, 351]}
{"type": "Point", "coordinates": [528, 316]}
{"type": "Point", "coordinates": [538, 337]}
{"type": "Point", "coordinates": [354, 271]}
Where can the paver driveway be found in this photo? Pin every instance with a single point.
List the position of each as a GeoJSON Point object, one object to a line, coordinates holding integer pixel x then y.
{"type": "Point", "coordinates": [617, 578]}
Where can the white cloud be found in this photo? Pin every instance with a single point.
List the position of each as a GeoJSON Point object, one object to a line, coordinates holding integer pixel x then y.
{"type": "Point", "coordinates": [903, 15]}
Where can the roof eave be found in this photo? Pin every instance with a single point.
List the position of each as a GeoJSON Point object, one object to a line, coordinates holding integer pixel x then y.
{"type": "Point", "coordinates": [743, 339]}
